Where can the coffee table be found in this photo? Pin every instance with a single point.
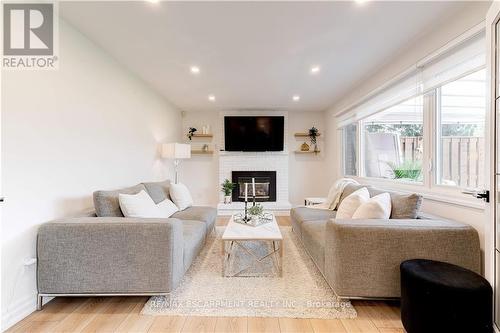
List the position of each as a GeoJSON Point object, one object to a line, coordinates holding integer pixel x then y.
{"type": "Point", "coordinates": [236, 236]}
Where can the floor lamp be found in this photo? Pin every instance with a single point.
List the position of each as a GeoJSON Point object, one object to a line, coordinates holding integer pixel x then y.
{"type": "Point", "coordinates": [177, 152]}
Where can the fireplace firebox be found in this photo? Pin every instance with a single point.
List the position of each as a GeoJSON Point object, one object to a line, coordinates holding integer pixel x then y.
{"type": "Point", "coordinates": [265, 185]}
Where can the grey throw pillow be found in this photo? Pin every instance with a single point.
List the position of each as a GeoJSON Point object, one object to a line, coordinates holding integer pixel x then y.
{"type": "Point", "coordinates": [106, 203]}
{"type": "Point", "coordinates": [405, 206]}
{"type": "Point", "coordinates": [158, 191]}
{"type": "Point", "coordinates": [350, 189]}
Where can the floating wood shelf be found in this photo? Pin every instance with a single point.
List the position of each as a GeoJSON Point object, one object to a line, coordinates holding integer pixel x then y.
{"type": "Point", "coordinates": [202, 152]}
{"type": "Point", "coordinates": [307, 152]}
{"type": "Point", "coordinates": [203, 135]}
{"type": "Point", "coordinates": [302, 135]}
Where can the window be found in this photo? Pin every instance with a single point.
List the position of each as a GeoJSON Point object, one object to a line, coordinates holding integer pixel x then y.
{"type": "Point", "coordinates": [426, 126]}
{"type": "Point", "coordinates": [349, 151]}
{"type": "Point", "coordinates": [460, 123]}
{"type": "Point", "coordinates": [393, 142]}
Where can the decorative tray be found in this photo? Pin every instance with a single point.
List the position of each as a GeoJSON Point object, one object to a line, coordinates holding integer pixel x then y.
{"type": "Point", "coordinates": [253, 221]}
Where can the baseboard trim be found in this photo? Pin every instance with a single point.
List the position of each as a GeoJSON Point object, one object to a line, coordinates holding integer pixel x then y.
{"type": "Point", "coordinates": [20, 310]}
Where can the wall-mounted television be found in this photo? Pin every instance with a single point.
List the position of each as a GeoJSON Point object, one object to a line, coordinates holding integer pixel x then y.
{"type": "Point", "coordinates": [246, 133]}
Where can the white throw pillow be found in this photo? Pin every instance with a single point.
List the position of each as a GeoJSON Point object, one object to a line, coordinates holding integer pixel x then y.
{"type": "Point", "coordinates": [351, 203]}
{"type": "Point", "coordinates": [138, 205]}
{"type": "Point", "coordinates": [378, 207]}
{"type": "Point", "coordinates": [167, 208]}
{"type": "Point", "coordinates": [180, 196]}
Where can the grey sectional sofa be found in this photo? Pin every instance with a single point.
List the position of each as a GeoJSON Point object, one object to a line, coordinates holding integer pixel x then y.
{"type": "Point", "coordinates": [361, 258]}
{"type": "Point", "coordinates": [108, 254]}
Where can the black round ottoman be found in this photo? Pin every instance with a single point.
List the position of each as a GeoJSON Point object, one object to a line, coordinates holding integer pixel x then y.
{"type": "Point", "coordinates": [441, 297]}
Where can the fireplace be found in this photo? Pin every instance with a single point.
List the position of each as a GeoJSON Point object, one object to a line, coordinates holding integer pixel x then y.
{"type": "Point", "coordinates": [265, 185]}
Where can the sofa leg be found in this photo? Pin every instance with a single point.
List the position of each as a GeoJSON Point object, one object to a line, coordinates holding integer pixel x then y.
{"type": "Point", "coordinates": [39, 302]}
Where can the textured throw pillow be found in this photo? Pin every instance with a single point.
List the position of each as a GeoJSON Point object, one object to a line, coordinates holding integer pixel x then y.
{"type": "Point", "coordinates": [351, 203]}
{"type": "Point", "coordinates": [167, 208]}
{"type": "Point", "coordinates": [180, 196]}
{"type": "Point", "coordinates": [106, 203]}
{"type": "Point", "coordinates": [158, 191]}
{"type": "Point", "coordinates": [405, 206]}
{"type": "Point", "coordinates": [138, 205]}
{"type": "Point", "coordinates": [377, 207]}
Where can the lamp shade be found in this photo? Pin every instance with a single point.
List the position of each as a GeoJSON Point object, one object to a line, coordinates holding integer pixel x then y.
{"type": "Point", "coordinates": [176, 150]}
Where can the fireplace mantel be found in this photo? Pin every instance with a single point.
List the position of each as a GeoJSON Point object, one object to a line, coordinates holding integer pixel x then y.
{"type": "Point", "coordinates": [256, 161]}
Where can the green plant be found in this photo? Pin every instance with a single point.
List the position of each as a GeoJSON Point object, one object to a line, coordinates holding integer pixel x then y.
{"type": "Point", "coordinates": [227, 187]}
{"type": "Point", "coordinates": [256, 210]}
{"type": "Point", "coordinates": [407, 170]}
{"type": "Point", "coordinates": [191, 132]}
{"type": "Point", "coordinates": [313, 135]}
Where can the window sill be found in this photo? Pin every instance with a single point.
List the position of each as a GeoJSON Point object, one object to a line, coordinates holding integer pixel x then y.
{"type": "Point", "coordinates": [448, 195]}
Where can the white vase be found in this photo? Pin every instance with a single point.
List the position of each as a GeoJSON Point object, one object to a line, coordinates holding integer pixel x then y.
{"type": "Point", "coordinates": [227, 199]}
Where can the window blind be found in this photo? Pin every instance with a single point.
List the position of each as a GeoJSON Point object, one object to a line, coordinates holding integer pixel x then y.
{"type": "Point", "coordinates": [459, 59]}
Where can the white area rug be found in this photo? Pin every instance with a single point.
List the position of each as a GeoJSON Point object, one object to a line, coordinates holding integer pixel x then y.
{"type": "Point", "coordinates": [300, 293]}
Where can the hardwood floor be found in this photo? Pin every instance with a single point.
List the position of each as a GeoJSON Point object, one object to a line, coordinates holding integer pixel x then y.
{"type": "Point", "coordinates": [122, 314]}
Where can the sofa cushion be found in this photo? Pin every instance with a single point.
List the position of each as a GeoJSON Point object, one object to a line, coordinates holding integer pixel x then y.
{"type": "Point", "coordinates": [138, 205]}
{"type": "Point", "coordinates": [106, 203]}
{"type": "Point", "coordinates": [350, 189]}
{"type": "Point", "coordinates": [194, 239]}
{"type": "Point", "coordinates": [167, 208]}
{"type": "Point", "coordinates": [349, 205]}
{"type": "Point", "coordinates": [302, 214]}
{"type": "Point", "coordinates": [313, 238]}
{"type": "Point", "coordinates": [404, 206]}
{"type": "Point", "coordinates": [180, 196]}
{"type": "Point", "coordinates": [158, 191]}
{"type": "Point", "coordinates": [377, 207]}
{"type": "Point", "coordinates": [199, 213]}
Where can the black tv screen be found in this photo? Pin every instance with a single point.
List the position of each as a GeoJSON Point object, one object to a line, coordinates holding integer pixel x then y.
{"type": "Point", "coordinates": [254, 133]}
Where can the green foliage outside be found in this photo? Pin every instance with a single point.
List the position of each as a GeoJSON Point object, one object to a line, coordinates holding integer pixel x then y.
{"type": "Point", "coordinates": [401, 129]}
{"type": "Point", "coordinates": [410, 170]}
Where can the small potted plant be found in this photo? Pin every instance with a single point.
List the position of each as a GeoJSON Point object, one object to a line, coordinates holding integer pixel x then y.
{"type": "Point", "coordinates": [227, 188]}
{"type": "Point", "coordinates": [313, 135]}
{"type": "Point", "coordinates": [191, 132]}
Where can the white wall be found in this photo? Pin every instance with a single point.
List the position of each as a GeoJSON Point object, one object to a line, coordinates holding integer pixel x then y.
{"type": "Point", "coordinates": [89, 125]}
{"type": "Point", "coordinates": [450, 29]}
{"type": "Point", "coordinates": [306, 172]}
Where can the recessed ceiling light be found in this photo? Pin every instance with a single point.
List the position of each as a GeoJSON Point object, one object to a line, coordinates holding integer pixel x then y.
{"type": "Point", "coordinates": [153, 1]}
{"type": "Point", "coordinates": [296, 98]}
{"type": "Point", "coordinates": [195, 69]}
{"type": "Point", "coordinates": [315, 69]}
{"type": "Point", "coordinates": [211, 98]}
{"type": "Point", "coordinates": [361, 2]}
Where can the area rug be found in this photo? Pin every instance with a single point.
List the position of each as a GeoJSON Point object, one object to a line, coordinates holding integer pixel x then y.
{"type": "Point", "coordinates": [302, 292]}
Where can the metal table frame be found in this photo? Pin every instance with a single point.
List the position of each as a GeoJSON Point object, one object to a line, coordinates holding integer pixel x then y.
{"type": "Point", "coordinates": [231, 245]}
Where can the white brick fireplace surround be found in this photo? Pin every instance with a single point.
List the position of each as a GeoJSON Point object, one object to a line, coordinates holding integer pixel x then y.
{"type": "Point", "coordinates": [255, 161]}
{"type": "Point", "coordinates": [258, 161]}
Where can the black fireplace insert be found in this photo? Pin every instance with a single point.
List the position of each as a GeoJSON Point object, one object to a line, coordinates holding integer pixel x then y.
{"type": "Point", "coordinates": [265, 185]}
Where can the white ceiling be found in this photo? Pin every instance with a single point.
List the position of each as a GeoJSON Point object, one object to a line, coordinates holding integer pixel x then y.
{"type": "Point", "coordinates": [254, 55]}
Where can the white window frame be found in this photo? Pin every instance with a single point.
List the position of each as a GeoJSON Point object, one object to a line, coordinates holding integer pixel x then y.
{"type": "Point", "coordinates": [343, 150]}
{"type": "Point", "coordinates": [429, 187]}
{"type": "Point", "coordinates": [362, 155]}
